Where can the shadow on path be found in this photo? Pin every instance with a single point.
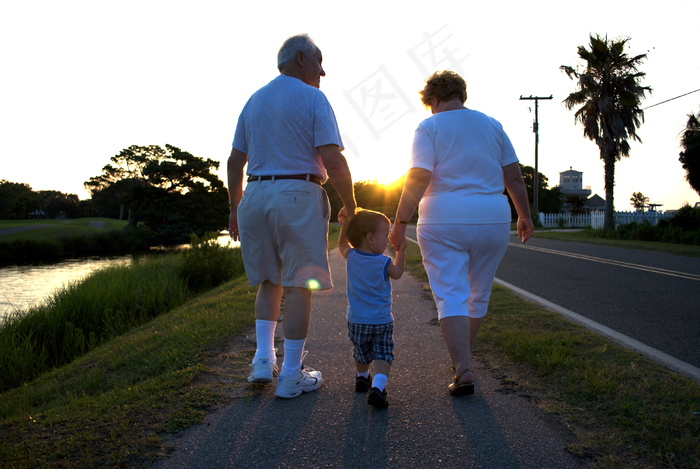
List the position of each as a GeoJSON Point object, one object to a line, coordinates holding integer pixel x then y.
{"type": "Point", "coordinates": [334, 427]}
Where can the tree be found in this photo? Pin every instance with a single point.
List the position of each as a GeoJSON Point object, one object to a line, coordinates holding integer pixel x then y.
{"type": "Point", "coordinates": [690, 156]}
{"type": "Point", "coordinates": [549, 199]}
{"type": "Point", "coordinates": [17, 200]}
{"type": "Point", "coordinates": [610, 93]}
{"type": "Point", "coordinates": [58, 204]}
{"type": "Point", "coordinates": [639, 201]}
{"type": "Point", "coordinates": [169, 191]}
{"type": "Point", "coordinates": [575, 203]}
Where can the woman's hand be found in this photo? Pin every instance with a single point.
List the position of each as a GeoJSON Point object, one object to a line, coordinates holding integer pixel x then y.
{"type": "Point", "coordinates": [525, 229]}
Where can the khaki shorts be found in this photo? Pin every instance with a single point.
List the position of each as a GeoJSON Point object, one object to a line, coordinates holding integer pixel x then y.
{"type": "Point", "coordinates": [283, 227]}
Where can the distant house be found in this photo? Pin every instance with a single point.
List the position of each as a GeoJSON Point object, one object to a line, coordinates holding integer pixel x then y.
{"type": "Point", "coordinates": [595, 202]}
{"type": "Point", "coordinates": [571, 183]}
{"type": "Point", "coordinates": [37, 214]}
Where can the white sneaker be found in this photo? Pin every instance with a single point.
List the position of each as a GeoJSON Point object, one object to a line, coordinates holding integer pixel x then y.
{"type": "Point", "coordinates": [306, 380]}
{"type": "Point", "coordinates": [263, 370]}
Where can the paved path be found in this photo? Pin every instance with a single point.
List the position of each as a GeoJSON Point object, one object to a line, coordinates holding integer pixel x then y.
{"type": "Point", "coordinates": [334, 427]}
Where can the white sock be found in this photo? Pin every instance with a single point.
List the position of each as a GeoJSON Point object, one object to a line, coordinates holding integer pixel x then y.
{"type": "Point", "coordinates": [364, 375]}
{"type": "Point", "coordinates": [293, 351]}
{"type": "Point", "coordinates": [379, 381]}
{"type": "Point", "coordinates": [265, 336]}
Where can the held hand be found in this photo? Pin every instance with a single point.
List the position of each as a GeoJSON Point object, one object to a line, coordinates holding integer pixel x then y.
{"type": "Point", "coordinates": [233, 224]}
{"type": "Point", "coordinates": [398, 235]}
{"type": "Point", "coordinates": [525, 229]}
{"type": "Point", "coordinates": [345, 214]}
{"type": "Point", "coordinates": [403, 246]}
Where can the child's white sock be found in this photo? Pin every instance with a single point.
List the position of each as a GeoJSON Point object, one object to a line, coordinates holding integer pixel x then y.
{"type": "Point", "coordinates": [293, 351]}
{"type": "Point", "coordinates": [265, 336]}
{"type": "Point", "coordinates": [364, 375]}
{"type": "Point", "coordinates": [379, 381]}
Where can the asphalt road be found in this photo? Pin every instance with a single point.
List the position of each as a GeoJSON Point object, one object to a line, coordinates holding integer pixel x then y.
{"type": "Point", "coordinates": [424, 427]}
{"type": "Point", "coordinates": [651, 297]}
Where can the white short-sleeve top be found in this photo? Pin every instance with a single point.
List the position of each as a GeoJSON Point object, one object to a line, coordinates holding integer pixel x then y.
{"type": "Point", "coordinates": [281, 126]}
{"type": "Point", "coordinates": [465, 150]}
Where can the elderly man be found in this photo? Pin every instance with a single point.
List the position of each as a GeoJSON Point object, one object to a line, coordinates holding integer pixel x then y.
{"type": "Point", "coordinates": [288, 135]}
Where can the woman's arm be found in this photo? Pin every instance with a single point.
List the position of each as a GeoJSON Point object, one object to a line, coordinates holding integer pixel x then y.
{"type": "Point", "coordinates": [513, 180]}
{"type": "Point", "coordinates": [417, 181]}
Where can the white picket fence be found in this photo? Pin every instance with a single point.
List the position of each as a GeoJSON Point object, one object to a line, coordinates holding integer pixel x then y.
{"type": "Point", "coordinates": [595, 219]}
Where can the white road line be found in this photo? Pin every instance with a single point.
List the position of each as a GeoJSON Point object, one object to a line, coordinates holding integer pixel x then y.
{"type": "Point", "coordinates": [628, 265]}
{"type": "Point", "coordinates": [656, 355]}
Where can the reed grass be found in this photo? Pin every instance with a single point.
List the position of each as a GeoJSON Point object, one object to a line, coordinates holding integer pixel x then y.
{"type": "Point", "coordinates": [112, 407]}
{"type": "Point", "coordinates": [82, 315]}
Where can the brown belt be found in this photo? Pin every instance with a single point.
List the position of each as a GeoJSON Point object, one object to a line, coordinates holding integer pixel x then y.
{"type": "Point", "coordinates": [304, 177]}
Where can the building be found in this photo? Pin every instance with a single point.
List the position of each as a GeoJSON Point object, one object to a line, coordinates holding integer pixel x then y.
{"type": "Point", "coordinates": [571, 183]}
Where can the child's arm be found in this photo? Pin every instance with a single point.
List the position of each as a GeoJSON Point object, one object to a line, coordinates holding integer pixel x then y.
{"type": "Point", "coordinates": [395, 270]}
{"type": "Point", "coordinates": [344, 245]}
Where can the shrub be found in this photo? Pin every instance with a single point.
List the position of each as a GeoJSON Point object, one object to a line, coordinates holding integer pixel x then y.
{"type": "Point", "coordinates": [208, 264]}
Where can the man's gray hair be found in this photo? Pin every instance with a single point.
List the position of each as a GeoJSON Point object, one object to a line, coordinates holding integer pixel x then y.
{"type": "Point", "coordinates": [298, 43]}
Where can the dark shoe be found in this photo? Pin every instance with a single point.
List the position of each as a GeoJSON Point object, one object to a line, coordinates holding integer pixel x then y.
{"type": "Point", "coordinates": [363, 384]}
{"type": "Point", "coordinates": [460, 388]}
{"type": "Point", "coordinates": [377, 398]}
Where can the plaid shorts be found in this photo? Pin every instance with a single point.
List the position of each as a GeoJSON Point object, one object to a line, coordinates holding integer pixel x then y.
{"type": "Point", "coordinates": [372, 342]}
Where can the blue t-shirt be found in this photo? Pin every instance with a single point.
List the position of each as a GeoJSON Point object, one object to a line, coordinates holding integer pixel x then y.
{"type": "Point", "coordinates": [280, 127]}
{"type": "Point", "coordinates": [368, 288]}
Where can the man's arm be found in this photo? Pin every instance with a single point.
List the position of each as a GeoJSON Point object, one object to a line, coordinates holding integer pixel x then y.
{"type": "Point", "coordinates": [236, 162]}
{"type": "Point", "coordinates": [344, 245]}
{"type": "Point", "coordinates": [339, 175]}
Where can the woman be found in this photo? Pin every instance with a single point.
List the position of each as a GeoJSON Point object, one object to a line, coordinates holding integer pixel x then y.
{"type": "Point", "coordinates": [461, 161]}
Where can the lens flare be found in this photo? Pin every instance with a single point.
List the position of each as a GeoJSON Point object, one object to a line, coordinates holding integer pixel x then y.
{"type": "Point", "coordinates": [313, 284]}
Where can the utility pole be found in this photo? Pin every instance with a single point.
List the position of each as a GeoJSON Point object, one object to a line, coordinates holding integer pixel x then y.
{"type": "Point", "coordinates": [536, 129]}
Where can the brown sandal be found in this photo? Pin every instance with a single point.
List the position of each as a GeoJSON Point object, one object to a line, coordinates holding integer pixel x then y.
{"type": "Point", "coordinates": [457, 388]}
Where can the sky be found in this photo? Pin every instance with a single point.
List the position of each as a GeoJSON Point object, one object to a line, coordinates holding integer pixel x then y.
{"type": "Point", "coordinates": [82, 80]}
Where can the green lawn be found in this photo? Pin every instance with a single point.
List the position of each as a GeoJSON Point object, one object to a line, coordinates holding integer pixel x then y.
{"type": "Point", "coordinates": [57, 228]}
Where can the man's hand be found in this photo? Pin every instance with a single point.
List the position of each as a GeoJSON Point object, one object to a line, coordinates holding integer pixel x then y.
{"type": "Point", "coordinates": [233, 223]}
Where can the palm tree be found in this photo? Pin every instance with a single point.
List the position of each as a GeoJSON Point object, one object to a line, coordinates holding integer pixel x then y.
{"type": "Point", "coordinates": [639, 201]}
{"type": "Point", "coordinates": [690, 156]}
{"type": "Point", "coordinates": [609, 92]}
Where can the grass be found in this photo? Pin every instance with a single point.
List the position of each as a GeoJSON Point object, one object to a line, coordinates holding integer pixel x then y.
{"type": "Point", "coordinates": [54, 240]}
{"type": "Point", "coordinates": [110, 302]}
{"type": "Point", "coordinates": [58, 228]}
{"type": "Point", "coordinates": [114, 406]}
{"type": "Point", "coordinates": [111, 407]}
{"type": "Point", "coordinates": [589, 236]}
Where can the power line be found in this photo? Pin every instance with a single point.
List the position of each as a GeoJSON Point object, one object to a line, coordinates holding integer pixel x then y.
{"type": "Point", "coordinates": [686, 94]}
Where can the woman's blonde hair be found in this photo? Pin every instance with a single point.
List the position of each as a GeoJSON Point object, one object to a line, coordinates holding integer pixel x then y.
{"type": "Point", "coordinates": [444, 86]}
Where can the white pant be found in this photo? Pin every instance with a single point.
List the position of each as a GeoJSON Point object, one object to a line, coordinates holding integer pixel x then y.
{"type": "Point", "coordinates": [461, 263]}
